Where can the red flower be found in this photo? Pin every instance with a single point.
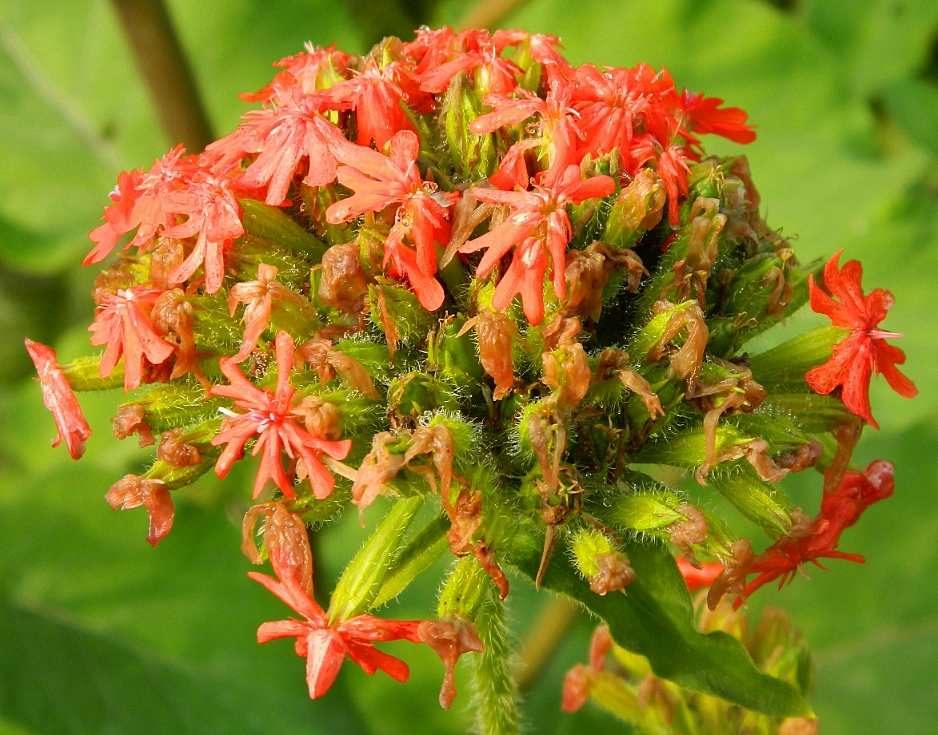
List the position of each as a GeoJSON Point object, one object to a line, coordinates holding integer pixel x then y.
{"type": "Point", "coordinates": [324, 643]}
{"type": "Point", "coordinates": [214, 215]}
{"type": "Point", "coordinates": [290, 138]}
{"type": "Point", "coordinates": [539, 225]}
{"type": "Point", "coordinates": [864, 350]}
{"type": "Point", "coordinates": [696, 578]}
{"type": "Point", "coordinates": [258, 299]}
{"type": "Point", "coordinates": [139, 203]}
{"type": "Point", "coordinates": [270, 417]}
{"type": "Point", "coordinates": [58, 396]}
{"type": "Point", "coordinates": [314, 69]}
{"type": "Point", "coordinates": [840, 509]}
{"type": "Point", "coordinates": [380, 182]}
{"type": "Point", "coordinates": [133, 491]}
{"type": "Point", "coordinates": [706, 117]}
{"type": "Point", "coordinates": [376, 94]}
{"type": "Point", "coordinates": [122, 322]}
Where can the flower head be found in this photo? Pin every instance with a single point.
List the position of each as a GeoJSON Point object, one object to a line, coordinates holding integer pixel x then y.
{"type": "Point", "coordinates": [270, 417]}
{"type": "Point", "coordinates": [864, 350]}
{"type": "Point", "coordinates": [58, 396]}
{"type": "Point", "coordinates": [324, 643]}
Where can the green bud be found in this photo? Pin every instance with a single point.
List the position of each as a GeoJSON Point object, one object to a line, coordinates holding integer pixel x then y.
{"type": "Point", "coordinates": [637, 209]}
{"type": "Point", "coordinates": [473, 156]}
{"type": "Point", "coordinates": [363, 578]}
{"type": "Point", "coordinates": [273, 225]}
{"type": "Point", "coordinates": [650, 335]}
{"type": "Point", "coordinates": [760, 501]}
{"type": "Point", "coordinates": [464, 590]}
{"type": "Point", "coordinates": [413, 394]}
{"type": "Point", "coordinates": [809, 412]}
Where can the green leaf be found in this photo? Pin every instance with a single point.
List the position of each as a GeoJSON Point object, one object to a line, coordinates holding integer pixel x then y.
{"type": "Point", "coordinates": [913, 105]}
{"type": "Point", "coordinates": [57, 677]}
{"type": "Point", "coordinates": [655, 619]}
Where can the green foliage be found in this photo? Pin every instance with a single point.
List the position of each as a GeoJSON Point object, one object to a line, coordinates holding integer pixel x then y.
{"type": "Point", "coordinates": [656, 620]}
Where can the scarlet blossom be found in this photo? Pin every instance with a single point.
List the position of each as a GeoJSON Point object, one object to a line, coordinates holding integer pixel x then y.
{"type": "Point", "coordinates": [376, 94]}
{"type": "Point", "coordinates": [59, 399]}
{"type": "Point", "coordinates": [863, 351]}
{"type": "Point", "coordinates": [558, 131]}
{"type": "Point", "coordinates": [122, 322]}
{"type": "Point", "coordinates": [379, 182]}
{"type": "Point", "coordinates": [840, 509]}
{"type": "Point", "coordinates": [138, 203]}
{"type": "Point", "coordinates": [480, 54]}
{"type": "Point", "coordinates": [133, 491]}
{"type": "Point", "coordinates": [214, 218]}
{"type": "Point", "coordinates": [705, 116]}
{"type": "Point", "coordinates": [325, 643]}
{"type": "Point", "coordinates": [539, 225]}
{"type": "Point", "coordinates": [314, 69]}
{"type": "Point", "coordinates": [696, 578]}
{"type": "Point", "coordinates": [270, 417]}
{"type": "Point", "coordinates": [291, 138]}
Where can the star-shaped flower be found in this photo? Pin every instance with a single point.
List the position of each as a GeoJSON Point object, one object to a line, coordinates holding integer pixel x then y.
{"type": "Point", "coordinates": [270, 417]}
{"type": "Point", "coordinates": [864, 350]}
{"type": "Point", "coordinates": [325, 643]}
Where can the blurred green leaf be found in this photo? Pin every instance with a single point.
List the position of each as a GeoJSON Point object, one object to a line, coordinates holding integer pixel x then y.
{"type": "Point", "coordinates": [913, 105]}
{"type": "Point", "coordinates": [655, 619]}
{"type": "Point", "coordinates": [57, 678]}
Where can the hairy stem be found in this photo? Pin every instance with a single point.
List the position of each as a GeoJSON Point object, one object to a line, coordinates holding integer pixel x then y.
{"type": "Point", "coordinates": [162, 62]}
{"type": "Point", "coordinates": [495, 688]}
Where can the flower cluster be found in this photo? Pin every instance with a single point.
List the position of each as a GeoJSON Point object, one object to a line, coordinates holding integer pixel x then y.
{"type": "Point", "coordinates": [334, 288]}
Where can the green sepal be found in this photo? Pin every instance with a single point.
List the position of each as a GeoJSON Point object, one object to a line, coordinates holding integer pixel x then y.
{"type": "Point", "coordinates": [632, 211]}
{"type": "Point", "coordinates": [410, 319]}
{"type": "Point", "coordinates": [810, 412]}
{"type": "Point", "coordinates": [688, 448]}
{"type": "Point", "coordinates": [779, 431]}
{"type": "Point", "coordinates": [420, 553]}
{"type": "Point", "coordinates": [651, 334]}
{"type": "Point", "coordinates": [656, 619]}
{"type": "Point", "coordinates": [272, 224]}
{"type": "Point", "coordinates": [473, 156]}
{"type": "Point", "coordinates": [199, 436]}
{"type": "Point", "coordinates": [214, 328]}
{"type": "Point", "coordinates": [363, 578]}
{"type": "Point", "coordinates": [748, 301]}
{"type": "Point", "coordinates": [463, 589]}
{"type": "Point", "coordinates": [176, 404]}
{"type": "Point", "coordinates": [454, 356]}
{"type": "Point", "coordinates": [413, 394]}
{"type": "Point", "coordinates": [83, 374]}
{"type": "Point", "coordinates": [316, 201]}
{"type": "Point", "coordinates": [761, 502]}
{"type": "Point", "coordinates": [784, 366]}
{"type": "Point", "coordinates": [251, 251]}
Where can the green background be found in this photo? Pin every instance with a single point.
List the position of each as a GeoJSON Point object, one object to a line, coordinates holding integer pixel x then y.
{"type": "Point", "coordinates": [101, 634]}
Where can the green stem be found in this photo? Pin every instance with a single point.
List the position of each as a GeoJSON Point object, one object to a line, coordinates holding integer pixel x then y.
{"type": "Point", "coordinates": [162, 63]}
{"type": "Point", "coordinates": [495, 688]}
